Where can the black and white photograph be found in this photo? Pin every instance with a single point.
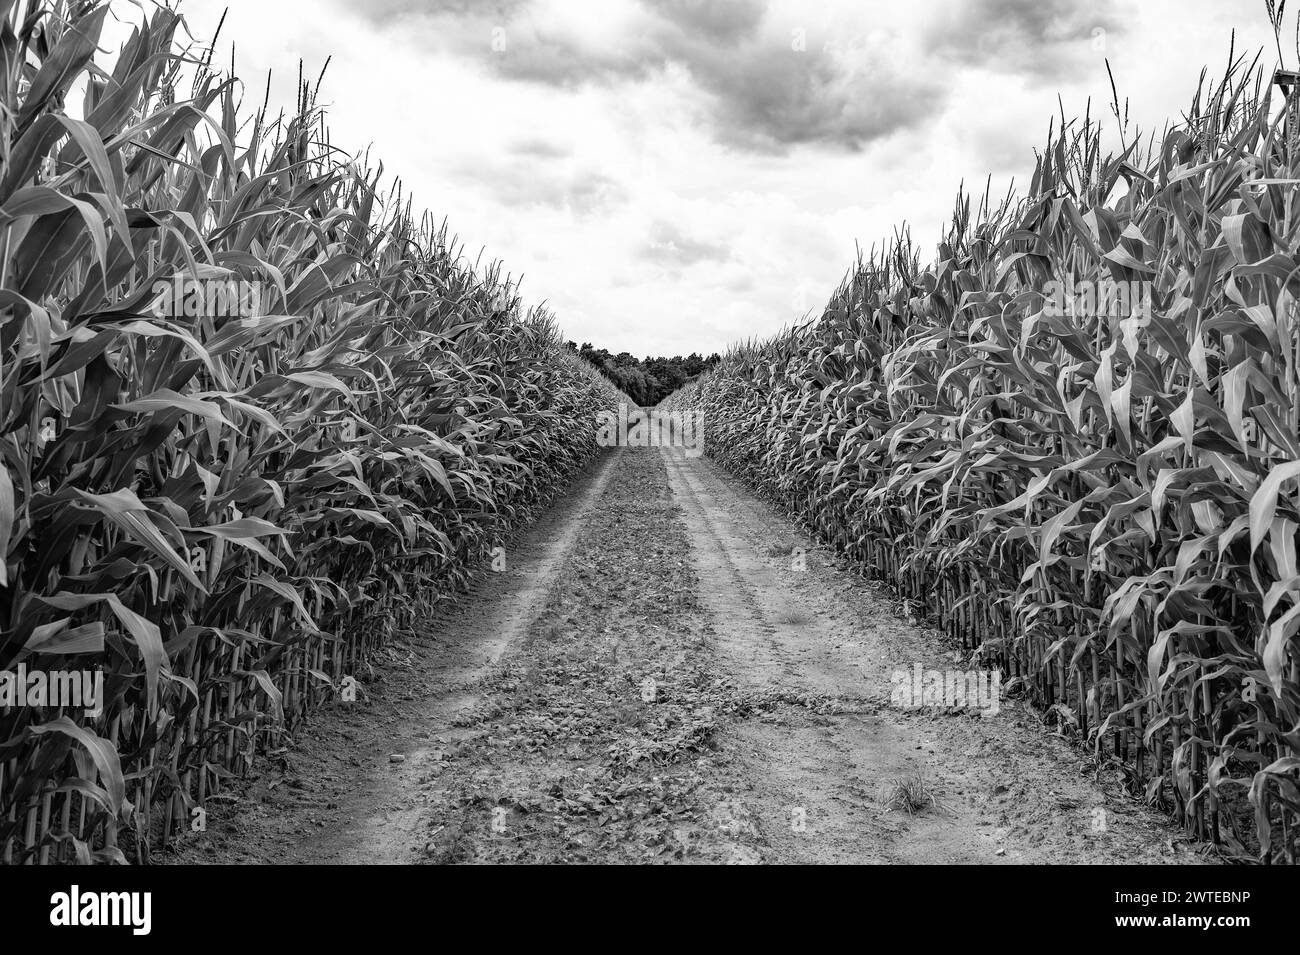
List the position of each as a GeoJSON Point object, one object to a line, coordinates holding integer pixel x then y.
{"type": "Point", "coordinates": [650, 432]}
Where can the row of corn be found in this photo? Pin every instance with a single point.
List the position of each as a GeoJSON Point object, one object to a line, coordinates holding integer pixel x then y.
{"type": "Point", "coordinates": [1075, 440]}
{"type": "Point", "coordinates": [224, 503]}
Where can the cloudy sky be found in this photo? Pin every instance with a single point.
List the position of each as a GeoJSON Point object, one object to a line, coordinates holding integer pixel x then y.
{"type": "Point", "coordinates": [672, 176]}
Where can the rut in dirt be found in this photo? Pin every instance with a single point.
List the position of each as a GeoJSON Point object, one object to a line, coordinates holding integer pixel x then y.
{"type": "Point", "coordinates": [655, 678]}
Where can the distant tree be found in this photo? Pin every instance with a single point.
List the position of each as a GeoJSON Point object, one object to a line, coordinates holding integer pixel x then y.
{"type": "Point", "coordinates": [646, 381]}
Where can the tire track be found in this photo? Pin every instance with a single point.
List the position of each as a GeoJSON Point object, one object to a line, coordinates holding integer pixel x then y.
{"type": "Point", "coordinates": [351, 790]}
{"type": "Point", "coordinates": [393, 831]}
{"type": "Point", "coordinates": [1006, 791]}
{"type": "Point", "coordinates": [721, 575]}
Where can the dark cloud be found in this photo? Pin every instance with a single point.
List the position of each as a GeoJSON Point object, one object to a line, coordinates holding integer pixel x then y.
{"type": "Point", "coordinates": [672, 248]}
{"type": "Point", "coordinates": [763, 90]}
{"type": "Point", "coordinates": [768, 99]}
{"type": "Point", "coordinates": [1041, 38]}
{"type": "Point", "coordinates": [719, 21]}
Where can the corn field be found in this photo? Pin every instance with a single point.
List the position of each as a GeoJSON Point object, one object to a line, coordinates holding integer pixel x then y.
{"type": "Point", "coordinates": [1102, 502]}
{"type": "Point", "coordinates": [227, 515]}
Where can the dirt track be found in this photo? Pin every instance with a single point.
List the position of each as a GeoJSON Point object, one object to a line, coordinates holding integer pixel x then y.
{"type": "Point", "coordinates": [653, 677]}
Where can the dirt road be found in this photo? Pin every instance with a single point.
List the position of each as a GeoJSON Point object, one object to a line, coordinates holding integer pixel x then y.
{"type": "Point", "coordinates": [667, 670]}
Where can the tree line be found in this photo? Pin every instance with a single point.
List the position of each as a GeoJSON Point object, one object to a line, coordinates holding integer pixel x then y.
{"type": "Point", "coordinates": [647, 381]}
